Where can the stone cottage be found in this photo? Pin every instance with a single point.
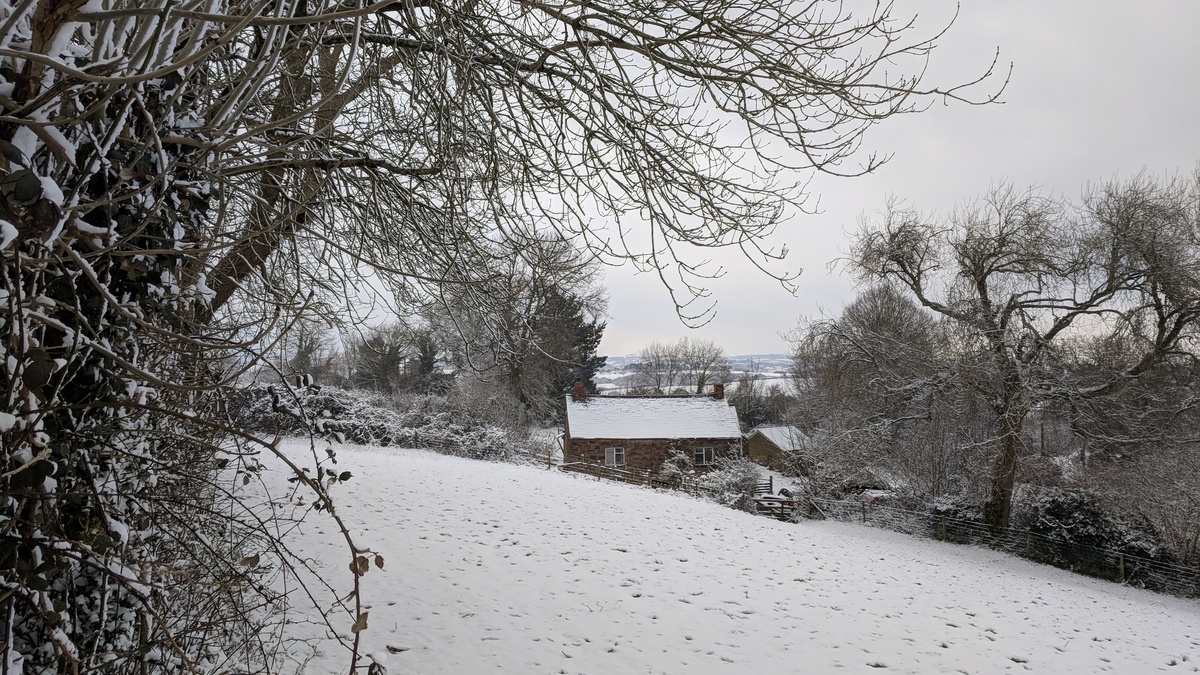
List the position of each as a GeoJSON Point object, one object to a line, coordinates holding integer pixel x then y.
{"type": "Point", "coordinates": [640, 432]}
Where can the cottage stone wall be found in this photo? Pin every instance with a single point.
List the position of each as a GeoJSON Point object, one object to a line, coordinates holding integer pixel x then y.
{"type": "Point", "coordinates": [645, 454]}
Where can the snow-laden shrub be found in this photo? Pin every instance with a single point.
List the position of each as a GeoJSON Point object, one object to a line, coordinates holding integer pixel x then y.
{"type": "Point", "coordinates": [486, 402]}
{"type": "Point", "coordinates": [732, 483]}
{"type": "Point", "coordinates": [957, 507]}
{"type": "Point", "coordinates": [1080, 519]}
{"type": "Point", "coordinates": [369, 418]}
{"type": "Point", "coordinates": [677, 467]}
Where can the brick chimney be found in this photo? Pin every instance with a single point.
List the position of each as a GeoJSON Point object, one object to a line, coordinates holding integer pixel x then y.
{"type": "Point", "coordinates": [578, 393]}
{"type": "Point", "coordinates": [718, 391]}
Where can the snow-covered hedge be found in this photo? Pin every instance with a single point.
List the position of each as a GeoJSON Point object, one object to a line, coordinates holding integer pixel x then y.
{"type": "Point", "coordinates": [1081, 518]}
{"type": "Point", "coordinates": [368, 418]}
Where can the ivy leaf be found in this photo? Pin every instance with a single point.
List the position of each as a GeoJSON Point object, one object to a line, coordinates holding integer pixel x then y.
{"type": "Point", "coordinates": [23, 185]}
{"type": "Point", "coordinates": [12, 154]}
{"type": "Point", "coordinates": [345, 476]}
{"type": "Point", "coordinates": [38, 369]}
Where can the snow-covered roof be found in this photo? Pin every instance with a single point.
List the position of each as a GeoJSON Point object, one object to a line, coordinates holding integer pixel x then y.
{"type": "Point", "coordinates": [652, 417]}
{"type": "Point", "coordinates": [786, 438]}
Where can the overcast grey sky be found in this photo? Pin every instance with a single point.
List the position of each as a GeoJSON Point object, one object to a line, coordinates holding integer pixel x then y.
{"type": "Point", "coordinates": [1099, 89]}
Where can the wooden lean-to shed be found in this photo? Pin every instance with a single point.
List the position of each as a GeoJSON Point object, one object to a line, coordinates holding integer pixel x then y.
{"type": "Point", "coordinates": [640, 432]}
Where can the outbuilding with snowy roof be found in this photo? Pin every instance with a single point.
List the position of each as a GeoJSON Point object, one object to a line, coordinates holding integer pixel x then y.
{"type": "Point", "coordinates": [641, 432]}
{"type": "Point", "coordinates": [772, 446]}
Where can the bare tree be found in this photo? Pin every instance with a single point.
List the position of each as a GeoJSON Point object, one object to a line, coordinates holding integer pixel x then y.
{"type": "Point", "coordinates": [758, 403]}
{"type": "Point", "coordinates": [521, 328]}
{"type": "Point", "coordinates": [704, 362]}
{"type": "Point", "coordinates": [878, 388]}
{"type": "Point", "coordinates": [1020, 274]}
{"type": "Point", "coordinates": [1136, 445]}
{"type": "Point", "coordinates": [660, 368]}
{"type": "Point", "coordinates": [507, 131]}
{"type": "Point", "coordinates": [311, 350]}
{"type": "Point", "coordinates": [685, 364]}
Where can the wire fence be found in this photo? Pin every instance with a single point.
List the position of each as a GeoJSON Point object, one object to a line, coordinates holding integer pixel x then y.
{"type": "Point", "coordinates": [1117, 566]}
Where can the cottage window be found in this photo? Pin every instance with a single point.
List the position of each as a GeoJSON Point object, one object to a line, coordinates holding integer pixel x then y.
{"type": "Point", "coordinates": [704, 456]}
{"type": "Point", "coordinates": [614, 457]}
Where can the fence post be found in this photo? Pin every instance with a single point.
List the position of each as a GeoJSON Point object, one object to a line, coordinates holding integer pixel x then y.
{"type": "Point", "coordinates": [1121, 563]}
{"type": "Point", "coordinates": [864, 511]}
{"type": "Point", "coordinates": [943, 528]}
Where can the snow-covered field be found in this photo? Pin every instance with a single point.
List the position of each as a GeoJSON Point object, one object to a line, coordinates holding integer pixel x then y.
{"type": "Point", "coordinates": [495, 567]}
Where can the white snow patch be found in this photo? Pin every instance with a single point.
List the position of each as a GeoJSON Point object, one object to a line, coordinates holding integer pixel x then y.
{"type": "Point", "coordinates": [120, 529]}
{"type": "Point", "coordinates": [51, 191]}
{"type": "Point", "coordinates": [85, 228]}
{"type": "Point", "coordinates": [25, 140]}
{"type": "Point", "coordinates": [203, 289]}
{"type": "Point", "coordinates": [189, 121]}
{"type": "Point", "coordinates": [8, 234]}
{"type": "Point", "coordinates": [67, 146]}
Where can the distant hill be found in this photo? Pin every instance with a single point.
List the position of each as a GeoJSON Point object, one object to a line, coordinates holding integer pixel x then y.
{"type": "Point", "coordinates": [618, 370]}
{"type": "Point", "coordinates": [764, 363]}
{"type": "Point", "coordinates": [771, 363]}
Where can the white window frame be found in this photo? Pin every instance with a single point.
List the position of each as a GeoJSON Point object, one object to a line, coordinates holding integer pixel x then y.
{"type": "Point", "coordinates": [614, 456]}
{"type": "Point", "coordinates": [704, 456]}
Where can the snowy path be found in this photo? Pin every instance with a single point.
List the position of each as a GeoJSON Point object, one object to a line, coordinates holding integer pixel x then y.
{"type": "Point", "coordinates": [500, 567]}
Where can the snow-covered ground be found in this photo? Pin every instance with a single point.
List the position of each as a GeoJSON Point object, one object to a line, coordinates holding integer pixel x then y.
{"type": "Point", "coordinates": [496, 567]}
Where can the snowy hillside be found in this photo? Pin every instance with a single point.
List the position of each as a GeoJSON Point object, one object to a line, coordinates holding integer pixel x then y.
{"type": "Point", "coordinates": [495, 566]}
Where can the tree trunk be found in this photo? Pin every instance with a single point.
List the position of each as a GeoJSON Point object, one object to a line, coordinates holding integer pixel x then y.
{"type": "Point", "coordinates": [998, 507]}
{"type": "Point", "coordinates": [1009, 420]}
